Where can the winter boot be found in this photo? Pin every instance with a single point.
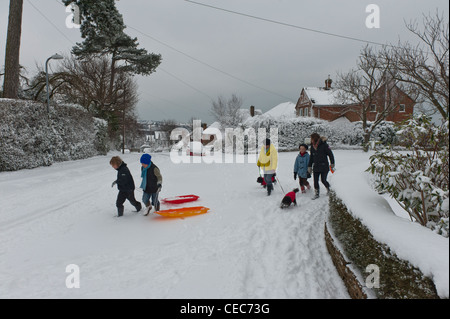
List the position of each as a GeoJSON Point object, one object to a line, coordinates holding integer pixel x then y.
{"type": "Point", "coordinates": [316, 194]}
{"type": "Point", "coordinates": [269, 189]}
{"type": "Point", "coordinates": [120, 211]}
{"type": "Point", "coordinates": [138, 207]}
{"type": "Point", "coordinates": [147, 210]}
{"type": "Point", "coordinates": [328, 190]}
{"type": "Point", "coordinates": [303, 189]}
{"type": "Point", "coordinates": [157, 207]}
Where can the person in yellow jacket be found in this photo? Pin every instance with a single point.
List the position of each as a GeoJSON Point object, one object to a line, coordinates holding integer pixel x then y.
{"type": "Point", "coordinates": [268, 160]}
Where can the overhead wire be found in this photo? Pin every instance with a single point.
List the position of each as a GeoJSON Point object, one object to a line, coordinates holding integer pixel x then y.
{"type": "Point", "coordinates": [162, 69]}
{"type": "Point", "coordinates": [285, 24]}
{"type": "Point", "coordinates": [201, 62]}
{"type": "Point", "coordinates": [207, 64]}
{"type": "Point", "coordinates": [49, 21]}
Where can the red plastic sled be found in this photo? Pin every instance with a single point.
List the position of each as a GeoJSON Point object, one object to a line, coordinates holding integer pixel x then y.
{"type": "Point", "coordinates": [183, 212]}
{"type": "Point", "coordinates": [180, 199]}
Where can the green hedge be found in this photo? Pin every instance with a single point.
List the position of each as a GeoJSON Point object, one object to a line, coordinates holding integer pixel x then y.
{"type": "Point", "coordinates": [398, 278]}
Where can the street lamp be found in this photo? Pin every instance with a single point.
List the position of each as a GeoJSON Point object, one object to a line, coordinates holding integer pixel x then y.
{"type": "Point", "coordinates": [55, 56]}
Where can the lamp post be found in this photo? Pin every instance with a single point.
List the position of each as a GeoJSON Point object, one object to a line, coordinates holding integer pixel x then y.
{"type": "Point", "coordinates": [55, 56]}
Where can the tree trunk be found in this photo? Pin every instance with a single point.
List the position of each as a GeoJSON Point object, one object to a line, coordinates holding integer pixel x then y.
{"type": "Point", "coordinates": [112, 96]}
{"type": "Point", "coordinates": [12, 52]}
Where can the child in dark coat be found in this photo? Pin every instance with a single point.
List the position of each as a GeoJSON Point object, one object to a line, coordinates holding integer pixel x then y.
{"type": "Point", "coordinates": [289, 198]}
{"type": "Point", "coordinates": [125, 184]}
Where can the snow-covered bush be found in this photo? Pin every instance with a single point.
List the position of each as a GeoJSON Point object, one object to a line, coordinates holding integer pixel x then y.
{"type": "Point", "coordinates": [294, 130]}
{"type": "Point", "coordinates": [417, 179]}
{"type": "Point", "coordinates": [384, 133]}
{"type": "Point", "coordinates": [29, 137]}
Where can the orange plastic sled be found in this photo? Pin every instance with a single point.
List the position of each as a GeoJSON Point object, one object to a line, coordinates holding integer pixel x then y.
{"type": "Point", "coordinates": [183, 212]}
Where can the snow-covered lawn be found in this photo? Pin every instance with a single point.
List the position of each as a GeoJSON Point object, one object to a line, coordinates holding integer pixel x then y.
{"type": "Point", "coordinates": [245, 247]}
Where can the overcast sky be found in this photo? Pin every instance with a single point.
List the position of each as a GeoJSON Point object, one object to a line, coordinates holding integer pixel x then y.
{"type": "Point", "coordinates": [264, 63]}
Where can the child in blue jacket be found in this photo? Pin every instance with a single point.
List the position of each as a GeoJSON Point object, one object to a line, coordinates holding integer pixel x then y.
{"type": "Point", "coordinates": [301, 168]}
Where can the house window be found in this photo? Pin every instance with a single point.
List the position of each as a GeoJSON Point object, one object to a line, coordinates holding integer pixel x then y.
{"type": "Point", "coordinates": [306, 112]}
{"type": "Point", "coordinates": [402, 108]}
{"type": "Point", "coordinates": [301, 112]}
{"type": "Point", "coordinates": [373, 108]}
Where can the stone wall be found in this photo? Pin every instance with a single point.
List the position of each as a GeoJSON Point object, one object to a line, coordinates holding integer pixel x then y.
{"type": "Point", "coordinates": [354, 288]}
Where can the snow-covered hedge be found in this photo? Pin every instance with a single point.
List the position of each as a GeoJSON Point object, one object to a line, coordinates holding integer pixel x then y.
{"type": "Point", "coordinates": [29, 138]}
{"type": "Point", "coordinates": [293, 130]}
{"type": "Point", "coordinates": [398, 279]}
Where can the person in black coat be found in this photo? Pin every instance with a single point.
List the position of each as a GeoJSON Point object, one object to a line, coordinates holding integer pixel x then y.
{"type": "Point", "coordinates": [125, 184]}
{"type": "Point", "coordinates": [318, 162]}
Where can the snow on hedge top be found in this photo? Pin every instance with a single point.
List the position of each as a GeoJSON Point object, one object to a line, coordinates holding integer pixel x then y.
{"type": "Point", "coordinates": [282, 110]}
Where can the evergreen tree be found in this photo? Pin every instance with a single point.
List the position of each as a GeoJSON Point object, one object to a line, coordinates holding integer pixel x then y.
{"type": "Point", "coordinates": [102, 29]}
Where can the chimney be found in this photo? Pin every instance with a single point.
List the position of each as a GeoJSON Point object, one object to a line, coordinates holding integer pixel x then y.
{"type": "Point", "coordinates": [252, 111]}
{"type": "Point", "coordinates": [328, 83]}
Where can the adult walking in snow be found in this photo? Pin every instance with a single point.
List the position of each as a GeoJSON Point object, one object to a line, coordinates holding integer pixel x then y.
{"type": "Point", "coordinates": [125, 184]}
{"type": "Point", "coordinates": [151, 183]}
{"type": "Point", "coordinates": [268, 160]}
{"type": "Point", "coordinates": [301, 168]}
{"type": "Point", "coordinates": [318, 162]}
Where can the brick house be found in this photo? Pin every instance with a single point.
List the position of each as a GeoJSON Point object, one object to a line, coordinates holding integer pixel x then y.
{"type": "Point", "coordinates": [323, 103]}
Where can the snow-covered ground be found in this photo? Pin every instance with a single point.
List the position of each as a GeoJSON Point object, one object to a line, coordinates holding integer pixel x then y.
{"type": "Point", "coordinates": [245, 247]}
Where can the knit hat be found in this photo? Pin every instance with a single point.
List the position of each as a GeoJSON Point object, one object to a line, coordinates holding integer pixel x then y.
{"type": "Point", "coordinates": [304, 145]}
{"type": "Point", "coordinates": [146, 159]}
{"type": "Point", "coordinates": [267, 141]}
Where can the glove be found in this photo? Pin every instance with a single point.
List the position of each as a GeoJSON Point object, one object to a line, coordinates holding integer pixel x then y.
{"type": "Point", "coordinates": [309, 170]}
{"type": "Point", "coordinates": [332, 166]}
{"type": "Point", "coordinates": [258, 164]}
{"type": "Point", "coordinates": [295, 176]}
{"type": "Point", "coordinates": [159, 188]}
{"type": "Point", "coordinates": [114, 183]}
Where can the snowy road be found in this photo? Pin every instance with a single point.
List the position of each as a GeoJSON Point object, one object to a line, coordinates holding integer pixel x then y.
{"type": "Point", "coordinates": [246, 247]}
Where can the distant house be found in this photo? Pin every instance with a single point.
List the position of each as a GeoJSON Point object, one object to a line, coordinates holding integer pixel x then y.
{"type": "Point", "coordinates": [323, 103]}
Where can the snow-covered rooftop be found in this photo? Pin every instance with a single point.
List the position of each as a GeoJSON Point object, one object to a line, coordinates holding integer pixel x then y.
{"type": "Point", "coordinates": [321, 96]}
{"type": "Point", "coordinates": [283, 109]}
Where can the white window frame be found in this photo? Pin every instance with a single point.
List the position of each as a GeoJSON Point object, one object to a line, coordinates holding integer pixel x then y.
{"type": "Point", "coordinates": [402, 108]}
{"type": "Point", "coordinates": [373, 108]}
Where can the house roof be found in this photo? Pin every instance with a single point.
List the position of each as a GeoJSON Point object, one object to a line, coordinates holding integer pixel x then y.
{"type": "Point", "coordinates": [320, 96]}
{"type": "Point", "coordinates": [283, 109]}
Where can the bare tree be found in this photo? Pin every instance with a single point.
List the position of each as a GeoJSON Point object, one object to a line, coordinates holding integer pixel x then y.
{"type": "Point", "coordinates": [227, 111]}
{"type": "Point", "coordinates": [367, 85]}
{"type": "Point", "coordinates": [87, 83]}
{"type": "Point", "coordinates": [12, 67]}
{"type": "Point", "coordinates": [424, 67]}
